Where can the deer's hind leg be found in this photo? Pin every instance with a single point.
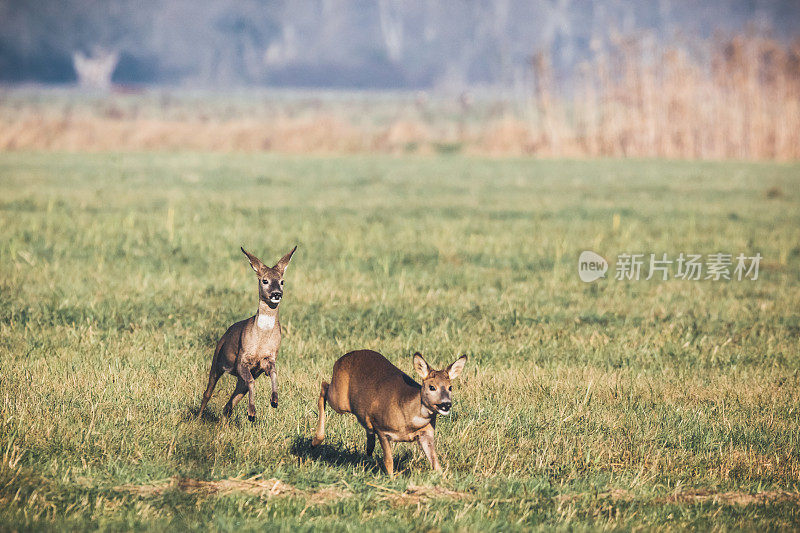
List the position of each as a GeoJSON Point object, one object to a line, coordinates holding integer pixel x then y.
{"type": "Point", "coordinates": [213, 377]}
{"type": "Point", "coordinates": [238, 394]}
{"type": "Point", "coordinates": [388, 460]}
{"type": "Point", "coordinates": [319, 435]}
{"type": "Point", "coordinates": [370, 442]}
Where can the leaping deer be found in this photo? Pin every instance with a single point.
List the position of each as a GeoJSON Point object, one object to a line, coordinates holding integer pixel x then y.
{"type": "Point", "coordinates": [250, 347]}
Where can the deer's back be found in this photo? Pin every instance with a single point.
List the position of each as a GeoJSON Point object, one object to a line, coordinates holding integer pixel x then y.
{"type": "Point", "coordinates": [368, 385]}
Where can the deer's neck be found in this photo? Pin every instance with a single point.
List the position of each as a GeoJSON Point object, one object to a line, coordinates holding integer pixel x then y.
{"type": "Point", "coordinates": [422, 415]}
{"type": "Point", "coordinates": [266, 317]}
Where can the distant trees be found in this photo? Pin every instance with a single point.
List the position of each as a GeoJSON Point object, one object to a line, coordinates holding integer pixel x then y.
{"type": "Point", "coordinates": [391, 19]}
{"type": "Point", "coordinates": [359, 43]}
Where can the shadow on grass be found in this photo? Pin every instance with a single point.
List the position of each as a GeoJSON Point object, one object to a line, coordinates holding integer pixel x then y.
{"type": "Point", "coordinates": [235, 420]}
{"type": "Point", "coordinates": [209, 417]}
{"type": "Point", "coordinates": [337, 456]}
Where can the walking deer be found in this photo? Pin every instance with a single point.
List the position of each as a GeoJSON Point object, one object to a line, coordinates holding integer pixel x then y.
{"type": "Point", "coordinates": [250, 347]}
{"type": "Point", "coordinates": [387, 402]}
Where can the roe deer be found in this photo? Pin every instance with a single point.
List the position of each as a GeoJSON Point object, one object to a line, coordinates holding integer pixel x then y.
{"type": "Point", "coordinates": [387, 402]}
{"type": "Point", "coordinates": [250, 347]}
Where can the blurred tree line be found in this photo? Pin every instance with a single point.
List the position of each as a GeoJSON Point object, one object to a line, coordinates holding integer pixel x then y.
{"type": "Point", "coordinates": [346, 43]}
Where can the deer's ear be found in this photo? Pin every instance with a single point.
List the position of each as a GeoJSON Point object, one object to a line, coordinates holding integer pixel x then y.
{"type": "Point", "coordinates": [454, 370]}
{"type": "Point", "coordinates": [421, 366]}
{"type": "Point", "coordinates": [284, 262]}
{"type": "Point", "coordinates": [255, 262]}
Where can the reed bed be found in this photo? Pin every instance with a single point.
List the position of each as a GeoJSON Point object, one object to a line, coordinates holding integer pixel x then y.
{"type": "Point", "coordinates": [730, 99]}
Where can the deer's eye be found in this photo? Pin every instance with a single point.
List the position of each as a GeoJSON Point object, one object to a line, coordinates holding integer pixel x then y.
{"type": "Point", "coordinates": [264, 281]}
{"type": "Point", "coordinates": [450, 387]}
{"type": "Point", "coordinates": [281, 282]}
{"type": "Point", "coordinates": [431, 387]}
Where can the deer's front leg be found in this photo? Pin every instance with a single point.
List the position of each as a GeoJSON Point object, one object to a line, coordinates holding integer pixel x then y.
{"type": "Point", "coordinates": [271, 368]}
{"type": "Point", "coordinates": [247, 377]}
{"type": "Point", "coordinates": [273, 378]}
{"type": "Point", "coordinates": [426, 443]}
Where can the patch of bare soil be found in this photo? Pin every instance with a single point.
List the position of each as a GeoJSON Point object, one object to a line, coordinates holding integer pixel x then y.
{"type": "Point", "coordinates": [694, 496]}
{"type": "Point", "coordinates": [613, 494]}
{"type": "Point", "coordinates": [266, 488]}
{"type": "Point", "coordinates": [733, 497]}
{"type": "Point", "coordinates": [415, 494]}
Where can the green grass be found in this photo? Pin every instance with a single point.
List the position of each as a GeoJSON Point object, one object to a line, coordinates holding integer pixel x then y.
{"type": "Point", "coordinates": [612, 405]}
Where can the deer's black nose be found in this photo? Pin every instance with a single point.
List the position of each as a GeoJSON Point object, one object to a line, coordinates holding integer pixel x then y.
{"type": "Point", "coordinates": [276, 295]}
{"type": "Point", "coordinates": [445, 406]}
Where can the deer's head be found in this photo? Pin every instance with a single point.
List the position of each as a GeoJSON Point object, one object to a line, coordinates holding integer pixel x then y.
{"type": "Point", "coordinates": [270, 279]}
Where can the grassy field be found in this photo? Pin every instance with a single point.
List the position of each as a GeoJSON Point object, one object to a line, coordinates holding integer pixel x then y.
{"type": "Point", "coordinates": [612, 405]}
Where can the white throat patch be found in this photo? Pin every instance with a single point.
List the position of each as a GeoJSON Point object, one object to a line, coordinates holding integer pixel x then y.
{"type": "Point", "coordinates": [266, 322]}
{"type": "Point", "coordinates": [420, 421]}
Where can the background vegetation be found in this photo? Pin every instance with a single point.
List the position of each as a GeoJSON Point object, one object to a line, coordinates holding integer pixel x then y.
{"type": "Point", "coordinates": [606, 405]}
{"type": "Point", "coordinates": [635, 100]}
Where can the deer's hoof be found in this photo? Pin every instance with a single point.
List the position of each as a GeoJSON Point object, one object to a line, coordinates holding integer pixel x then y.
{"type": "Point", "coordinates": [251, 418]}
{"type": "Point", "coordinates": [316, 441]}
{"type": "Point", "coordinates": [274, 401]}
